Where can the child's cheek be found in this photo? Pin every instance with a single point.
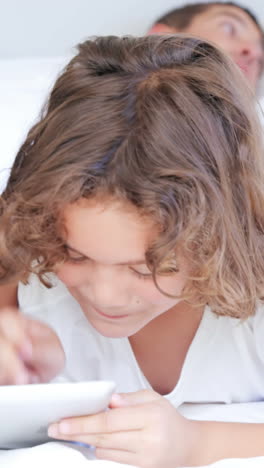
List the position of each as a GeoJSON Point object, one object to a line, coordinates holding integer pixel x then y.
{"type": "Point", "coordinates": [69, 274]}
{"type": "Point", "coordinates": [172, 286]}
{"type": "Point", "coordinates": [148, 293]}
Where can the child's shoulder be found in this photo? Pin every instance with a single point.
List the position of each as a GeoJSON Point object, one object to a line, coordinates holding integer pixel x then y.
{"type": "Point", "coordinates": [230, 328]}
{"type": "Point", "coordinates": [244, 334]}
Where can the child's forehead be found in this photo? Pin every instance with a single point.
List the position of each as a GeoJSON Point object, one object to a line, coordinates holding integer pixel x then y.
{"type": "Point", "coordinates": [105, 204]}
{"type": "Point", "coordinates": [107, 233]}
{"type": "Point", "coordinates": [107, 216]}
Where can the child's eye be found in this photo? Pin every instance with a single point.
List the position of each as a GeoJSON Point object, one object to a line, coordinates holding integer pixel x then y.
{"type": "Point", "coordinates": [74, 257]}
{"type": "Point", "coordinates": [141, 274]}
{"type": "Point", "coordinates": [77, 259]}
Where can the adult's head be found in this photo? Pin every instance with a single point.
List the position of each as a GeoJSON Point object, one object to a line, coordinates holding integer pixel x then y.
{"type": "Point", "coordinates": [233, 28]}
{"type": "Point", "coordinates": [160, 132]}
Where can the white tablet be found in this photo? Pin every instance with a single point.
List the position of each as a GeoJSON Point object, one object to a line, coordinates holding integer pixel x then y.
{"type": "Point", "coordinates": [27, 410]}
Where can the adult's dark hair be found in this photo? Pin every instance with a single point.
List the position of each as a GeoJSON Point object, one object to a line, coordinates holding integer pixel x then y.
{"type": "Point", "coordinates": [180, 18]}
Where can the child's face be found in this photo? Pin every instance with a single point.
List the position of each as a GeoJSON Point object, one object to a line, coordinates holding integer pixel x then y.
{"type": "Point", "coordinates": [107, 273]}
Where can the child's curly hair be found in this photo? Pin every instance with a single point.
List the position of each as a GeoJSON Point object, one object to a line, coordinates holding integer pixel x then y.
{"type": "Point", "coordinates": [168, 124]}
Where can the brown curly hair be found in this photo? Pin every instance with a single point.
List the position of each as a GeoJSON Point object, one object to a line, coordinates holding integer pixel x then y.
{"type": "Point", "coordinates": [168, 124]}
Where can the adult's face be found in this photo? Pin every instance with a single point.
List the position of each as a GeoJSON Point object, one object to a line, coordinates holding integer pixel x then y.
{"type": "Point", "coordinates": [231, 29]}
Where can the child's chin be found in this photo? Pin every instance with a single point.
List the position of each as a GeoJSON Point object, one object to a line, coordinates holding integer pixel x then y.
{"type": "Point", "coordinates": [113, 330]}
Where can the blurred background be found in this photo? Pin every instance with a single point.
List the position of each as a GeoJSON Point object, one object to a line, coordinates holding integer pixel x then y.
{"type": "Point", "coordinates": [37, 39]}
{"type": "Point", "coordinates": [51, 28]}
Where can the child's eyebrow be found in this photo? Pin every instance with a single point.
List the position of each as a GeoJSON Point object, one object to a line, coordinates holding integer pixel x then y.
{"type": "Point", "coordinates": [127, 262]}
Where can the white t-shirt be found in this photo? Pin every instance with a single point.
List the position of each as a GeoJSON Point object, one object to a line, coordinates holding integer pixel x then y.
{"type": "Point", "coordinates": [224, 364]}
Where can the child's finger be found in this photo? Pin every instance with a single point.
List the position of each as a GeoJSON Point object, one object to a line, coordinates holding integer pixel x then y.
{"type": "Point", "coordinates": [48, 357]}
{"type": "Point", "coordinates": [116, 420]}
{"type": "Point", "coordinates": [127, 440]}
{"type": "Point", "coordinates": [12, 369]}
{"type": "Point", "coordinates": [35, 345]}
{"type": "Point", "coordinates": [12, 328]}
{"type": "Point", "coordinates": [133, 398]}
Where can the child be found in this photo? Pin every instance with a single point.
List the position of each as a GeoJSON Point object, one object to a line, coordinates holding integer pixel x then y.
{"type": "Point", "coordinates": [139, 198]}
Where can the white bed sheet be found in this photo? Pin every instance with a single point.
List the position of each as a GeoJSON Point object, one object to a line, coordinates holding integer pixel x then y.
{"type": "Point", "coordinates": [64, 455]}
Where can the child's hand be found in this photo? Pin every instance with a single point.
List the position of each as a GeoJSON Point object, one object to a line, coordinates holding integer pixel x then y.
{"type": "Point", "coordinates": [30, 351]}
{"type": "Point", "coordinates": [142, 429]}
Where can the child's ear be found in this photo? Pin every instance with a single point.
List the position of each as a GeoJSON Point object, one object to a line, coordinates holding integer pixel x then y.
{"type": "Point", "coordinates": [160, 28]}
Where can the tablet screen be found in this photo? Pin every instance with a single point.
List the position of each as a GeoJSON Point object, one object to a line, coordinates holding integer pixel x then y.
{"type": "Point", "coordinates": [26, 411]}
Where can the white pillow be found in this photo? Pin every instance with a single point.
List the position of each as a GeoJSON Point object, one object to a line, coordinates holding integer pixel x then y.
{"type": "Point", "coordinates": [24, 87]}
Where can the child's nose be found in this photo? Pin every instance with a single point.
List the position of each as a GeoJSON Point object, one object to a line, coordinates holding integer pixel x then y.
{"type": "Point", "coordinates": [109, 290]}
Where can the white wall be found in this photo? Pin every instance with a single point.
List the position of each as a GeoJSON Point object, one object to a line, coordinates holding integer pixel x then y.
{"type": "Point", "coordinates": [53, 27]}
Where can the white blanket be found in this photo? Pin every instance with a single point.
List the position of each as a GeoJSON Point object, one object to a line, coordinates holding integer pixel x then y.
{"type": "Point", "coordinates": [65, 455]}
{"type": "Point", "coordinates": [59, 455]}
